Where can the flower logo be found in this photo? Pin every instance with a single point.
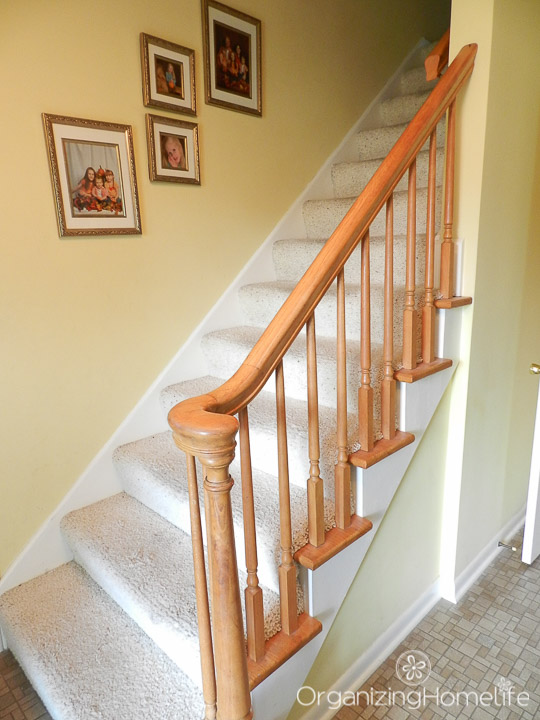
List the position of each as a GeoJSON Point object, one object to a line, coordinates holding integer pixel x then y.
{"type": "Point", "coordinates": [504, 685]}
{"type": "Point", "coordinates": [413, 667]}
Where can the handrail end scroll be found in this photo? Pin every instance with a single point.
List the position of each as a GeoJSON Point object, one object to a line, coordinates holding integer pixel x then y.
{"type": "Point", "coordinates": [199, 429]}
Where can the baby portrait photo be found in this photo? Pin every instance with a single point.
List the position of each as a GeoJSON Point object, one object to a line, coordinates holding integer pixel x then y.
{"type": "Point", "coordinates": [173, 150]}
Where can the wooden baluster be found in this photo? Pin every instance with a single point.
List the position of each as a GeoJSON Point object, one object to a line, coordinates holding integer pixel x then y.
{"type": "Point", "coordinates": [315, 485]}
{"type": "Point", "coordinates": [253, 593]}
{"type": "Point", "coordinates": [409, 313]}
{"type": "Point", "coordinates": [388, 385]}
{"type": "Point", "coordinates": [287, 568]}
{"type": "Point", "coordinates": [232, 683]}
{"type": "Point", "coordinates": [201, 591]}
{"type": "Point", "coordinates": [365, 392]}
{"type": "Point", "coordinates": [428, 312]}
{"type": "Point", "coordinates": [447, 247]}
{"type": "Point", "coordinates": [343, 469]}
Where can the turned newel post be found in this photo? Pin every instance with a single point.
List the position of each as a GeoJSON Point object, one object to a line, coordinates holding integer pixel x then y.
{"type": "Point", "coordinates": [211, 438]}
{"type": "Point", "coordinates": [234, 702]}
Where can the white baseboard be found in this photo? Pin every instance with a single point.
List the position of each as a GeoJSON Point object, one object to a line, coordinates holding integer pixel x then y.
{"type": "Point", "coordinates": [484, 558]}
{"type": "Point", "coordinates": [367, 663]}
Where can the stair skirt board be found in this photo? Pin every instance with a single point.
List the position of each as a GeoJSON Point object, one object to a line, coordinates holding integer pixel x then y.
{"type": "Point", "coordinates": [111, 632]}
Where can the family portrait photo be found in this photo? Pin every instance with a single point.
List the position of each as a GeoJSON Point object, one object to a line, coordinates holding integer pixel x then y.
{"type": "Point", "coordinates": [92, 167]}
{"type": "Point", "coordinates": [93, 170]}
{"type": "Point", "coordinates": [232, 52]}
{"type": "Point", "coordinates": [232, 58]}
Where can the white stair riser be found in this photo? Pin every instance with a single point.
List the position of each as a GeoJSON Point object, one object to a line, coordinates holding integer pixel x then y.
{"type": "Point", "coordinates": [321, 217]}
{"type": "Point", "coordinates": [350, 179]}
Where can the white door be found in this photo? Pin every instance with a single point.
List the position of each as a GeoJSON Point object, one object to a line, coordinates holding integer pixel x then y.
{"type": "Point", "coordinates": [531, 537]}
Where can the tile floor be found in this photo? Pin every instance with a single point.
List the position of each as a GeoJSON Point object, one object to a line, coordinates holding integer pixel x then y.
{"type": "Point", "coordinates": [488, 643]}
{"type": "Point", "coordinates": [18, 700]}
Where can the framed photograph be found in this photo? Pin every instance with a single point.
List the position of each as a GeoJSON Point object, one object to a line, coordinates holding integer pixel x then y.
{"type": "Point", "coordinates": [168, 72]}
{"type": "Point", "coordinates": [93, 176]}
{"type": "Point", "coordinates": [232, 58]}
{"type": "Point", "coordinates": [173, 150]}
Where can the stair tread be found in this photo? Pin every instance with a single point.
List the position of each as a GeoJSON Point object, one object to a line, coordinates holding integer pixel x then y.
{"type": "Point", "coordinates": [346, 202]}
{"type": "Point", "coordinates": [86, 658]}
{"type": "Point", "coordinates": [262, 430]}
{"type": "Point", "coordinates": [376, 143]}
{"type": "Point", "coordinates": [146, 565]}
{"type": "Point", "coordinates": [352, 177]}
{"type": "Point", "coordinates": [287, 286]}
{"type": "Point", "coordinates": [322, 216]}
{"type": "Point", "coordinates": [401, 108]}
{"type": "Point", "coordinates": [375, 162]}
{"type": "Point", "coordinates": [414, 80]}
{"type": "Point", "coordinates": [261, 408]}
{"type": "Point", "coordinates": [153, 470]}
{"type": "Point", "coordinates": [259, 302]}
{"type": "Point", "coordinates": [246, 336]}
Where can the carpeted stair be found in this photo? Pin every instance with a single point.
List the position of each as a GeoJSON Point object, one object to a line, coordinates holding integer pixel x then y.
{"type": "Point", "coordinates": [113, 634]}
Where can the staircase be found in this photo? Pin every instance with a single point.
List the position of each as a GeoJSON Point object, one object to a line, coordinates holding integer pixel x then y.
{"type": "Point", "coordinates": [114, 633]}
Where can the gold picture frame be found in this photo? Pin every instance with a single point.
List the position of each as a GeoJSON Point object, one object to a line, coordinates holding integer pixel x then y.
{"type": "Point", "coordinates": [173, 150]}
{"type": "Point", "coordinates": [232, 58]}
{"type": "Point", "coordinates": [94, 182]}
{"type": "Point", "coordinates": [168, 75]}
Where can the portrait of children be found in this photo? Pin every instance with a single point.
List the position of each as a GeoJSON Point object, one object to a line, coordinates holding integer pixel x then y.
{"type": "Point", "coordinates": [93, 173]}
{"type": "Point", "coordinates": [169, 77]}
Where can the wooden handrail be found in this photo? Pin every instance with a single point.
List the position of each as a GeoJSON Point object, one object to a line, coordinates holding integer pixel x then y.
{"type": "Point", "coordinates": [207, 421]}
{"type": "Point", "coordinates": [205, 426]}
{"type": "Point", "coordinates": [437, 59]}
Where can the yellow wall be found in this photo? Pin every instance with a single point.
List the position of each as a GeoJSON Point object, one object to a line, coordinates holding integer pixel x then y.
{"type": "Point", "coordinates": [505, 335]}
{"type": "Point", "coordinates": [87, 324]}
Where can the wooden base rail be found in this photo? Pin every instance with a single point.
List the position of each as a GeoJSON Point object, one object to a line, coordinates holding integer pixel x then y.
{"type": "Point", "coordinates": [205, 427]}
{"type": "Point", "coordinates": [437, 59]}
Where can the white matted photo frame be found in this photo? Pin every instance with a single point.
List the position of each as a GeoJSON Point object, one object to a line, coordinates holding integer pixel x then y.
{"type": "Point", "coordinates": [232, 58]}
{"type": "Point", "coordinates": [173, 150]}
{"type": "Point", "coordinates": [93, 176]}
{"type": "Point", "coordinates": [168, 74]}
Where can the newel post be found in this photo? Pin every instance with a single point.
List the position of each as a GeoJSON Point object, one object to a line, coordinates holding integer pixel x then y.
{"type": "Point", "coordinates": [214, 446]}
